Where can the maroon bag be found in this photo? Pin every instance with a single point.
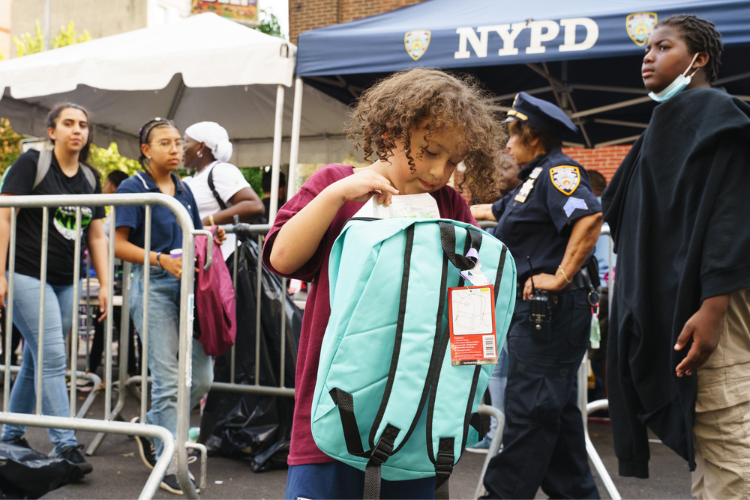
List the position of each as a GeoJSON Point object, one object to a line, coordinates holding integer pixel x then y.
{"type": "Point", "coordinates": [215, 323]}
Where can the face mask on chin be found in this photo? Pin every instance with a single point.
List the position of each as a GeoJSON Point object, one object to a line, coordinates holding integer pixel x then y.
{"type": "Point", "coordinates": [677, 86]}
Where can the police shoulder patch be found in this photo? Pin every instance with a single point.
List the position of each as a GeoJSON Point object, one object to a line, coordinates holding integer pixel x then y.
{"type": "Point", "coordinates": [565, 178]}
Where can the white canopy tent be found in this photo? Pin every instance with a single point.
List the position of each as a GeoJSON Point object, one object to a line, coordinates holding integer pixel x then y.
{"type": "Point", "coordinates": [201, 68]}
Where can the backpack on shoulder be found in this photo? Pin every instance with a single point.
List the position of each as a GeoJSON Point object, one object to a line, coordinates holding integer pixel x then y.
{"type": "Point", "coordinates": [44, 162]}
{"type": "Point", "coordinates": [388, 399]}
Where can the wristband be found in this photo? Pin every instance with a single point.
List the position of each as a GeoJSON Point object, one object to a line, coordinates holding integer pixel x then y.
{"type": "Point", "coordinates": [565, 276]}
{"type": "Point", "coordinates": [158, 264]}
{"type": "Point", "coordinates": [211, 220]}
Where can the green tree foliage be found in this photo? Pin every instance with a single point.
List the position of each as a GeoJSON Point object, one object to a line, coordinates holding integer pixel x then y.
{"type": "Point", "coordinates": [254, 176]}
{"type": "Point", "coordinates": [106, 160]}
{"type": "Point", "coordinates": [32, 44]}
{"type": "Point", "coordinates": [269, 24]}
{"type": "Point", "coordinates": [28, 44]}
{"type": "Point", "coordinates": [68, 36]}
{"type": "Point", "coordinates": [10, 145]}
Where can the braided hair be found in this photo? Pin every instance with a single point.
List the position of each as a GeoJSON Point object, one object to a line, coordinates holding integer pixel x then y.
{"type": "Point", "coordinates": [700, 36]}
{"type": "Point", "coordinates": [145, 135]}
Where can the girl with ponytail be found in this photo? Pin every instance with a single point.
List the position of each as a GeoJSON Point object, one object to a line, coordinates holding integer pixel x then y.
{"type": "Point", "coordinates": [161, 153]}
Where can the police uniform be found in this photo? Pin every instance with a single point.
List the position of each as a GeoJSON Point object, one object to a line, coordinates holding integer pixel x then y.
{"type": "Point", "coordinates": [543, 437]}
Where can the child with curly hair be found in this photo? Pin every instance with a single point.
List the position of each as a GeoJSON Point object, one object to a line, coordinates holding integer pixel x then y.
{"type": "Point", "coordinates": [419, 125]}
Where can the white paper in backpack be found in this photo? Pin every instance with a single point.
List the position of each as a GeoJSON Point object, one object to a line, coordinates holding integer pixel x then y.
{"type": "Point", "coordinates": [417, 206]}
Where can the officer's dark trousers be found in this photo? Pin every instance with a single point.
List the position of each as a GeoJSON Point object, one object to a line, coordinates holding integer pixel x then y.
{"type": "Point", "coordinates": [543, 438]}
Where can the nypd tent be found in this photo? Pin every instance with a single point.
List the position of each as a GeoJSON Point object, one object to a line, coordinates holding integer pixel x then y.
{"type": "Point", "coordinates": [583, 54]}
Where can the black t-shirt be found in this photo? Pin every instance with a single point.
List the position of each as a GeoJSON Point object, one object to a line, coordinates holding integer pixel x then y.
{"type": "Point", "coordinates": [62, 220]}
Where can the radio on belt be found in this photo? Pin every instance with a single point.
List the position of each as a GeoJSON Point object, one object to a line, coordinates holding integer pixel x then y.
{"type": "Point", "coordinates": [540, 313]}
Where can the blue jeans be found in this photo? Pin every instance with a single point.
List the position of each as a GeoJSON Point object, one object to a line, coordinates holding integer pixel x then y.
{"type": "Point", "coordinates": [498, 381]}
{"type": "Point", "coordinates": [338, 480]}
{"type": "Point", "coordinates": [58, 319]}
{"type": "Point", "coordinates": [163, 348]}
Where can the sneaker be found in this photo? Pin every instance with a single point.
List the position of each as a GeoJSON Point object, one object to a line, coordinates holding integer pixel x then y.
{"type": "Point", "coordinates": [171, 484]}
{"type": "Point", "coordinates": [19, 441]}
{"type": "Point", "coordinates": [482, 446]}
{"type": "Point", "coordinates": [146, 447]}
{"type": "Point", "coordinates": [72, 455]}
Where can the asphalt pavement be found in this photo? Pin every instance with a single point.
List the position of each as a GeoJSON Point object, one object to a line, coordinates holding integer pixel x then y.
{"type": "Point", "coordinates": [119, 472]}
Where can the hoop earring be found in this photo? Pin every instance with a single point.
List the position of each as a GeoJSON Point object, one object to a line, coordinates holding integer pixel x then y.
{"type": "Point", "coordinates": [199, 154]}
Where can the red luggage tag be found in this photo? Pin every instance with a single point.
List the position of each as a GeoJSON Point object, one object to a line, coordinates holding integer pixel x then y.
{"type": "Point", "coordinates": [472, 325]}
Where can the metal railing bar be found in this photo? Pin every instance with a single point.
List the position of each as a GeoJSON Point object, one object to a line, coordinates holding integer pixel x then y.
{"type": "Point", "coordinates": [88, 312]}
{"type": "Point", "coordinates": [42, 290]}
{"type": "Point", "coordinates": [9, 308]}
{"type": "Point", "coordinates": [257, 310]}
{"type": "Point", "coordinates": [233, 355]}
{"type": "Point", "coordinates": [282, 363]}
{"type": "Point", "coordinates": [123, 354]}
{"type": "Point", "coordinates": [110, 307]}
{"type": "Point", "coordinates": [252, 389]}
{"type": "Point", "coordinates": [74, 329]}
{"type": "Point", "coordinates": [187, 286]}
{"type": "Point", "coordinates": [144, 328]}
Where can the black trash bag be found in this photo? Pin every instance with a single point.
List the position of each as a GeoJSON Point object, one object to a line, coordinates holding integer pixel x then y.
{"type": "Point", "coordinates": [26, 473]}
{"type": "Point", "coordinates": [252, 426]}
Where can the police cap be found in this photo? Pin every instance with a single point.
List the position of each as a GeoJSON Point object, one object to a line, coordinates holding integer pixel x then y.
{"type": "Point", "coordinates": [541, 115]}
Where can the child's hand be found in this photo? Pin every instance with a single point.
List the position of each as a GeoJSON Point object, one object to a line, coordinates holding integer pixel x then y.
{"type": "Point", "coordinates": [220, 235]}
{"type": "Point", "coordinates": [359, 187]}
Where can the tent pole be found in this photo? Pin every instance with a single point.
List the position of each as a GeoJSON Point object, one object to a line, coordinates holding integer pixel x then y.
{"type": "Point", "coordinates": [47, 24]}
{"type": "Point", "coordinates": [296, 123]}
{"type": "Point", "coordinates": [610, 107]}
{"type": "Point", "coordinates": [276, 165]}
{"type": "Point", "coordinates": [632, 138]}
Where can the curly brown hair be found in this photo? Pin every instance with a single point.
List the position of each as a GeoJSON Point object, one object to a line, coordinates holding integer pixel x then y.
{"type": "Point", "coordinates": [392, 108]}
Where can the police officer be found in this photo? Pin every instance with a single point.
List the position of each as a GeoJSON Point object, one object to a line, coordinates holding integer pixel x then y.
{"type": "Point", "coordinates": [553, 218]}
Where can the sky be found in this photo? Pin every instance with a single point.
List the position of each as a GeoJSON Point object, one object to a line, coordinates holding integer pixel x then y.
{"type": "Point", "coordinates": [280, 9]}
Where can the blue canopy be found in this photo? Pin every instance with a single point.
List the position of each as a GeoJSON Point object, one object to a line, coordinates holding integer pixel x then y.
{"type": "Point", "coordinates": [586, 54]}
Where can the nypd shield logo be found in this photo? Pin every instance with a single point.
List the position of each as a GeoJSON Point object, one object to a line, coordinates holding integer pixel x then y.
{"type": "Point", "coordinates": [416, 43]}
{"type": "Point", "coordinates": [639, 26]}
{"type": "Point", "coordinates": [565, 178]}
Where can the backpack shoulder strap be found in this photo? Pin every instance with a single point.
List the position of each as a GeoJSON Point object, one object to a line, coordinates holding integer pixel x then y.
{"type": "Point", "coordinates": [213, 189]}
{"type": "Point", "coordinates": [42, 166]}
{"type": "Point", "coordinates": [89, 174]}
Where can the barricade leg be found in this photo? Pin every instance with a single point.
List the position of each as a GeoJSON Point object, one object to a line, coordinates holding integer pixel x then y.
{"type": "Point", "coordinates": [586, 409]}
{"type": "Point", "coordinates": [602, 404]}
{"type": "Point", "coordinates": [494, 444]}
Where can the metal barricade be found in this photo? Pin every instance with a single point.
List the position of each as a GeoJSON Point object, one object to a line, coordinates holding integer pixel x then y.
{"type": "Point", "coordinates": [106, 424]}
{"type": "Point", "coordinates": [130, 383]}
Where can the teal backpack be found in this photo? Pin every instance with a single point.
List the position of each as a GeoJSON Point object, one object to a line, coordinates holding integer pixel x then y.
{"type": "Point", "coordinates": [388, 399]}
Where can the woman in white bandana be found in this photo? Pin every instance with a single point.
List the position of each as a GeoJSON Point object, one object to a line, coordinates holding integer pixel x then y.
{"type": "Point", "coordinates": [220, 189]}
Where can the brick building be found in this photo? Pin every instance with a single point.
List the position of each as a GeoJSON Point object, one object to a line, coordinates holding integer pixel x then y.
{"type": "Point", "coordinates": [305, 15]}
{"type": "Point", "coordinates": [605, 160]}
{"type": "Point", "coordinates": [310, 14]}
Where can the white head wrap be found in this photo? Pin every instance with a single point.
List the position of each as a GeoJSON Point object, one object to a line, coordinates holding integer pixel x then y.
{"type": "Point", "coordinates": [214, 136]}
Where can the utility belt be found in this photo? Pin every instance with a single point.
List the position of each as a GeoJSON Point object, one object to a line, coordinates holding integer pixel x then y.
{"type": "Point", "coordinates": [540, 304]}
{"type": "Point", "coordinates": [581, 280]}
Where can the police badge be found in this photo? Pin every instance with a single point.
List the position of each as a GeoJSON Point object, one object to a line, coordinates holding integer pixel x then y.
{"type": "Point", "coordinates": [565, 178]}
{"type": "Point", "coordinates": [416, 43]}
{"type": "Point", "coordinates": [639, 26]}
